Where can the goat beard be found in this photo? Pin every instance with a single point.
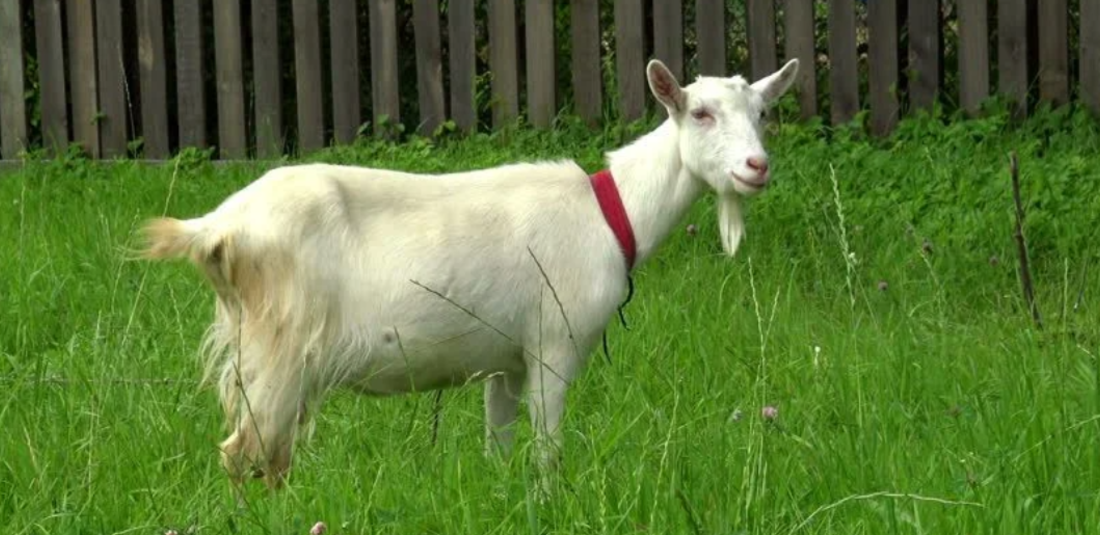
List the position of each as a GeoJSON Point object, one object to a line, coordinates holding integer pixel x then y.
{"type": "Point", "coordinates": [731, 221]}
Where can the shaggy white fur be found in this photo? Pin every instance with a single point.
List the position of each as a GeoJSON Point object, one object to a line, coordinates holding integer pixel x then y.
{"type": "Point", "coordinates": [389, 282]}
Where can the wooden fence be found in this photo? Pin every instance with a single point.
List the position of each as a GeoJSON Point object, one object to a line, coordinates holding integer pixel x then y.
{"type": "Point", "coordinates": [106, 73]}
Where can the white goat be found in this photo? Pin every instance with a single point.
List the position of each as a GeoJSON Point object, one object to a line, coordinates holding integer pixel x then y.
{"type": "Point", "coordinates": [389, 282]}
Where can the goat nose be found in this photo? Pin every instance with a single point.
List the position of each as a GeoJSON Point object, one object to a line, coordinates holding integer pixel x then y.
{"type": "Point", "coordinates": [758, 164]}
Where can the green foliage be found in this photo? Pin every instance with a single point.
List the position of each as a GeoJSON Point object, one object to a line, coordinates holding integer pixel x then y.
{"type": "Point", "coordinates": [931, 384]}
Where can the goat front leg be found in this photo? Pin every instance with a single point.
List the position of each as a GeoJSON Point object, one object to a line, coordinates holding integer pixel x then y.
{"type": "Point", "coordinates": [502, 393]}
{"type": "Point", "coordinates": [547, 382]}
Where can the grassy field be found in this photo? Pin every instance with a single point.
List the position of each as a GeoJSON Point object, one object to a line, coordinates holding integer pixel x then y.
{"type": "Point", "coordinates": [874, 304]}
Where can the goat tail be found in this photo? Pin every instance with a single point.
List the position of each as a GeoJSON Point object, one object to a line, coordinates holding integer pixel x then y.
{"type": "Point", "coordinates": [197, 240]}
{"type": "Point", "coordinates": [167, 238]}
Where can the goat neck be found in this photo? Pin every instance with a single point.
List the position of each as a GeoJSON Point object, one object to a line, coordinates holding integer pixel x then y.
{"type": "Point", "coordinates": [657, 190]}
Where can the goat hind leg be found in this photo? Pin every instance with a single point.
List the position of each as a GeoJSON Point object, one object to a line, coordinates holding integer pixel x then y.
{"type": "Point", "coordinates": [262, 440]}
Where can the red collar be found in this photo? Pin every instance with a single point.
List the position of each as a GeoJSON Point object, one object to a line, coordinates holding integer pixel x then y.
{"type": "Point", "coordinates": [607, 194]}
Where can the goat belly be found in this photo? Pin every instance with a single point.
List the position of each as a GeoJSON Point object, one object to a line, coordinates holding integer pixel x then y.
{"type": "Point", "coordinates": [420, 360]}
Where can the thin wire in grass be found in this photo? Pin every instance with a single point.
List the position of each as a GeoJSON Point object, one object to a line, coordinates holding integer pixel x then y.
{"type": "Point", "coordinates": [537, 358]}
{"type": "Point", "coordinates": [561, 307]}
{"type": "Point", "coordinates": [65, 381]}
{"type": "Point", "coordinates": [437, 410]}
{"type": "Point", "coordinates": [1054, 434]}
{"type": "Point", "coordinates": [491, 326]}
{"type": "Point", "coordinates": [882, 494]}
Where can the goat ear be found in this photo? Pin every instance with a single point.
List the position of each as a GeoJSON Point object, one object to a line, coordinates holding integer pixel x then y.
{"type": "Point", "coordinates": [664, 86]}
{"type": "Point", "coordinates": [776, 84]}
{"type": "Point", "coordinates": [731, 222]}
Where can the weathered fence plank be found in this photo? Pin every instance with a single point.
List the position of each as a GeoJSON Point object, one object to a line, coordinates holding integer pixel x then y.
{"type": "Point", "coordinates": [81, 69]}
{"type": "Point", "coordinates": [668, 35]}
{"type": "Point", "coordinates": [461, 56]}
{"type": "Point", "coordinates": [1012, 79]}
{"type": "Point", "coordinates": [113, 104]}
{"type": "Point", "coordinates": [924, 53]}
{"type": "Point", "coordinates": [502, 61]}
{"type": "Point", "coordinates": [710, 33]}
{"type": "Point", "coordinates": [190, 90]}
{"type": "Point", "coordinates": [80, 19]}
{"type": "Point", "coordinates": [267, 78]}
{"type": "Point", "coordinates": [843, 74]}
{"type": "Point", "coordinates": [51, 73]}
{"type": "Point", "coordinates": [587, 79]}
{"type": "Point", "coordinates": [344, 44]}
{"type": "Point", "coordinates": [383, 61]}
{"type": "Point", "coordinates": [541, 96]}
{"type": "Point", "coordinates": [153, 77]}
{"type": "Point", "coordinates": [13, 111]}
{"type": "Point", "coordinates": [883, 56]}
{"type": "Point", "coordinates": [973, 54]}
{"type": "Point", "coordinates": [1090, 54]}
{"type": "Point", "coordinates": [307, 75]}
{"type": "Point", "coordinates": [1053, 52]}
{"type": "Point", "coordinates": [229, 72]}
{"type": "Point", "coordinates": [799, 30]}
{"type": "Point", "coordinates": [429, 65]}
{"type": "Point", "coordinates": [761, 34]}
{"type": "Point", "coordinates": [630, 59]}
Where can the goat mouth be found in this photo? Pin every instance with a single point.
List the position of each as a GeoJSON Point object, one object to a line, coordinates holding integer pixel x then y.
{"type": "Point", "coordinates": [755, 186]}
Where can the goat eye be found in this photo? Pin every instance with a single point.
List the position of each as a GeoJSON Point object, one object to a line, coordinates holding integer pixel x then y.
{"type": "Point", "coordinates": [700, 114]}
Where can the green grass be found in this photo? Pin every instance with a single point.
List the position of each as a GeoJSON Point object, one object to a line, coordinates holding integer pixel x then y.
{"type": "Point", "coordinates": [934, 406]}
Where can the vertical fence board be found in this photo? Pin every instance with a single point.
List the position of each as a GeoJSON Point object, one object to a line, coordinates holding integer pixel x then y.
{"type": "Point", "coordinates": [710, 32]}
{"type": "Point", "coordinates": [461, 55]}
{"type": "Point", "coordinates": [1090, 54]}
{"type": "Point", "coordinates": [1012, 79]}
{"type": "Point", "coordinates": [761, 30]}
{"type": "Point", "coordinates": [190, 91]}
{"type": "Point", "coordinates": [90, 73]}
{"type": "Point", "coordinates": [973, 54]}
{"type": "Point", "coordinates": [152, 70]}
{"type": "Point", "coordinates": [798, 17]}
{"type": "Point", "coordinates": [82, 80]}
{"type": "Point", "coordinates": [267, 78]}
{"type": "Point", "coordinates": [429, 65]}
{"type": "Point", "coordinates": [924, 53]}
{"type": "Point", "coordinates": [843, 79]}
{"type": "Point", "coordinates": [883, 56]}
{"type": "Point", "coordinates": [541, 96]}
{"type": "Point", "coordinates": [383, 54]}
{"type": "Point", "coordinates": [112, 79]}
{"type": "Point", "coordinates": [344, 39]}
{"type": "Point", "coordinates": [587, 82]}
{"type": "Point", "coordinates": [307, 75]}
{"type": "Point", "coordinates": [668, 35]}
{"type": "Point", "coordinates": [229, 72]}
{"type": "Point", "coordinates": [502, 61]}
{"type": "Point", "coordinates": [1053, 52]}
{"type": "Point", "coordinates": [630, 59]}
{"type": "Point", "coordinates": [13, 111]}
{"type": "Point", "coordinates": [51, 73]}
